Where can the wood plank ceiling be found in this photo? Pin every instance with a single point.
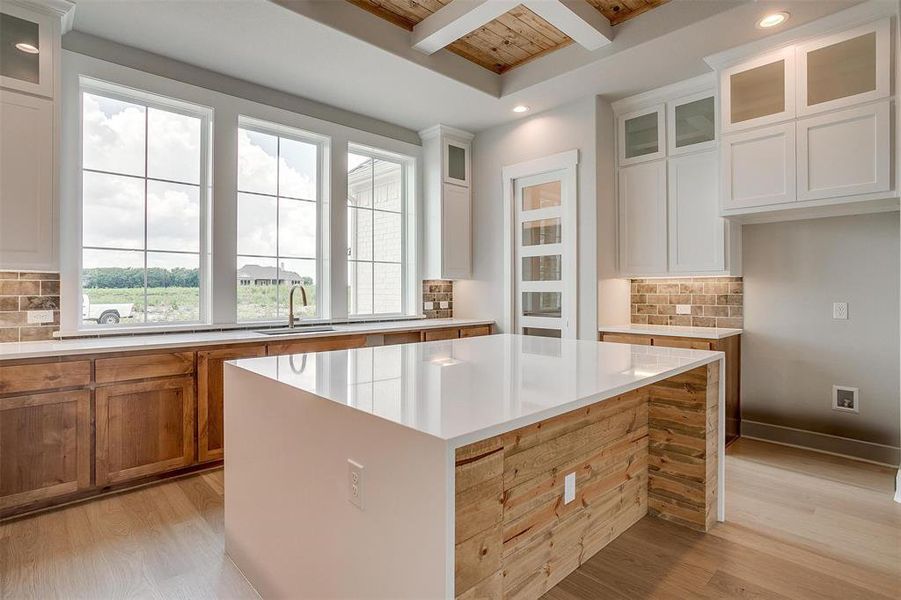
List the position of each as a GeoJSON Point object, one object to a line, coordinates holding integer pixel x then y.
{"type": "Point", "coordinates": [508, 41]}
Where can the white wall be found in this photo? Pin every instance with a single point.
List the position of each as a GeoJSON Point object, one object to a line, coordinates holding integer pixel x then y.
{"type": "Point", "coordinates": [574, 126]}
{"type": "Point", "coordinates": [792, 349]}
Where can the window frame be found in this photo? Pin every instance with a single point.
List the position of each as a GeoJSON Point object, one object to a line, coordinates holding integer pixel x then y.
{"type": "Point", "coordinates": [124, 93]}
{"type": "Point", "coordinates": [322, 257]}
{"type": "Point", "coordinates": [408, 233]}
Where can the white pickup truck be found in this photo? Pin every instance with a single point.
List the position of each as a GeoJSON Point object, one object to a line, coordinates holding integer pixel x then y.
{"type": "Point", "coordinates": [104, 314]}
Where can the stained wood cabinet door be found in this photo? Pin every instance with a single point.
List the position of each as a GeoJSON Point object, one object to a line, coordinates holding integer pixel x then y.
{"type": "Point", "coordinates": [45, 446]}
{"type": "Point", "coordinates": [441, 334]}
{"type": "Point", "coordinates": [144, 428]}
{"type": "Point", "coordinates": [210, 431]}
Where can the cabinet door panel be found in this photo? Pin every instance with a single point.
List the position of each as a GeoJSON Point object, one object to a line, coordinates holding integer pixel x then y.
{"type": "Point", "coordinates": [642, 135]}
{"type": "Point", "coordinates": [696, 230]}
{"type": "Point", "coordinates": [343, 342]}
{"type": "Point", "coordinates": [144, 428]}
{"type": "Point", "coordinates": [441, 334]}
{"type": "Point", "coordinates": [627, 338]}
{"type": "Point", "coordinates": [642, 219]}
{"type": "Point", "coordinates": [456, 225]}
{"type": "Point", "coordinates": [669, 342]}
{"type": "Point", "coordinates": [45, 446]}
{"type": "Point", "coordinates": [758, 167]}
{"type": "Point", "coordinates": [758, 92]}
{"type": "Point", "coordinates": [210, 395]}
{"type": "Point", "coordinates": [845, 153]}
{"type": "Point", "coordinates": [691, 123]}
{"type": "Point", "coordinates": [475, 331]}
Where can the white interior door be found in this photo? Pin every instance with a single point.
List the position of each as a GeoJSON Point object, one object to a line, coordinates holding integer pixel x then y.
{"type": "Point", "coordinates": [545, 274]}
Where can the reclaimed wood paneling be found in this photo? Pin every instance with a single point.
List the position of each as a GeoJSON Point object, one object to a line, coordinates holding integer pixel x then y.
{"type": "Point", "coordinates": [618, 11]}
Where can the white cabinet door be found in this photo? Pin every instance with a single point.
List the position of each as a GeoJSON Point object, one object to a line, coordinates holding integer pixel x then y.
{"type": "Point", "coordinates": [27, 210]}
{"type": "Point", "coordinates": [642, 219]}
{"type": "Point", "coordinates": [696, 230]}
{"type": "Point", "coordinates": [456, 161]}
{"type": "Point", "coordinates": [758, 167]}
{"type": "Point", "coordinates": [26, 70]}
{"type": "Point", "coordinates": [456, 225]}
{"type": "Point", "coordinates": [642, 135]}
{"type": "Point", "coordinates": [844, 69]}
{"type": "Point", "coordinates": [760, 91]}
{"type": "Point", "coordinates": [845, 153]}
{"type": "Point", "coordinates": [691, 123]}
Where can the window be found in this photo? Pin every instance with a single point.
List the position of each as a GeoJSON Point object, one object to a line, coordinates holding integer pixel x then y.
{"type": "Point", "coordinates": [143, 208]}
{"type": "Point", "coordinates": [279, 196]}
{"type": "Point", "coordinates": [376, 226]}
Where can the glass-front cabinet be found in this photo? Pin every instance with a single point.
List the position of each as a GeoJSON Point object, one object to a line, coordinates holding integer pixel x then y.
{"type": "Point", "coordinates": [846, 68]}
{"type": "Point", "coordinates": [642, 135]}
{"type": "Point", "coordinates": [758, 92]}
{"type": "Point", "coordinates": [691, 122]}
{"type": "Point", "coordinates": [456, 161]}
{"type": "Point", "coordinates": [26, 50]}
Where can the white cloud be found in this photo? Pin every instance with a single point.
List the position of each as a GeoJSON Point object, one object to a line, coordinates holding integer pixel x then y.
{"type": "Point", "coordinates": [113, 135]}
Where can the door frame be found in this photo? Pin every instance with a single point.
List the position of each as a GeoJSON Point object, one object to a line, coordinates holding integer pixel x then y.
{"type": "Point", "coordinates": [567, 162]}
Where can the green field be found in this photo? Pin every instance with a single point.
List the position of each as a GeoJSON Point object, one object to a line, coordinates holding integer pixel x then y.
{"type": "Point", "coordinates": [173, 304]}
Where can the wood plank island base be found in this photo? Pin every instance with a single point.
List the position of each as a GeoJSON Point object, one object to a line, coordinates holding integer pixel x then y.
{"type": "Point", "coordinates": [474, 468]}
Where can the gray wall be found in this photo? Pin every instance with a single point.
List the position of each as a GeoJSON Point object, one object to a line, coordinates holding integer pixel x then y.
{"type": "Point", "coordinates": [793, 351]}
{"type": "Point", "coordinates": [569, 127]}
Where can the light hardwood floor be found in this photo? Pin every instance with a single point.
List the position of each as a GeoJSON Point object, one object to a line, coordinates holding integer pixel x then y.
{"type": "Point", "coordinates": [801, 525]}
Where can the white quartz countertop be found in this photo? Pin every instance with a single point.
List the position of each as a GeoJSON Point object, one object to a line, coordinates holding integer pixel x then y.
{"type": "Point", "coordinates": [707, 333]}
{"type": "Point", "coordinates": [123, 343]}
{"type": "Point", "coordinates": [470, 389]}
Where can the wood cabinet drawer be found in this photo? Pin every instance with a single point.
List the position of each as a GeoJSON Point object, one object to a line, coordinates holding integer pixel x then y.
{"type": "Point", "coordinates": [44, 376]}
{"type": "Point", "coordinates": [45, 446]}
{"type": "Point", "coordinates": [693, 344]}
{"type": "Point", "coordinates": [441, 334]}
{"type": "Point", "coordinates": [627, 338]}
{"type": "Point", "coordinates": [143, 366]}
{"type": "Point", "coordinates": [316, 345]}
{"type": "Point", "coordinates": [475, 331]}
{"type": "Point", "coordinates": [407, 337]}
{"type": "Point", "coordinates": [144, 428]}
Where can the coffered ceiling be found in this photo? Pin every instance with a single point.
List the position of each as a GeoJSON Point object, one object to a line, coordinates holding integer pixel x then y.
{"type": "Point", "coordinates": [513, 38]}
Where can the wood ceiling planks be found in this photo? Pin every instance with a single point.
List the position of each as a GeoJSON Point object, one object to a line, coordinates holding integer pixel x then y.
{"type": "Point", "coordinates": [512, 39]}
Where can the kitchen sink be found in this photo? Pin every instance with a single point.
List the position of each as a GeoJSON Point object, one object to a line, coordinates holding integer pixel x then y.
{"type": "Point", "coordinates": [295, 331]}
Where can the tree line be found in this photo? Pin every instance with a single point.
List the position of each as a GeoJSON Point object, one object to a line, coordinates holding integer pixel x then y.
{"type": "Point", "coordinates": [130, 277]}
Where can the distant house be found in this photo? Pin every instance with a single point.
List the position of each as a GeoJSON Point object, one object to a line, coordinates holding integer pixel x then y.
{"type": "Point", "coordinates": [257, 275]}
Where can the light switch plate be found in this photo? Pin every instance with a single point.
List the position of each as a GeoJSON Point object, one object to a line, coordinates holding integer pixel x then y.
{"type": "Point", "coordinates": [840, 310]}
{"type": "Point", "coordinates": [428, 305]}
{"type": "Point", "coordinates": [355, 483]}
{"type": "Point", "coordinates": [37, 317]}
{"type": "Point", "coordinates": [569, 488]}
{"type": "Point", "coordinates": [445, 305]}
{"type": "Point", "coordinates": [683, 309]}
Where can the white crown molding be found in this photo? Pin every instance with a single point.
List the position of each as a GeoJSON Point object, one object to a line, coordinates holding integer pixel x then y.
{"type": "Point", "coordinates": [701, 83]}
{"type": "Point", "coordinates": [63, 9]}
{"type": "Point", "coordinates": [436, 130]}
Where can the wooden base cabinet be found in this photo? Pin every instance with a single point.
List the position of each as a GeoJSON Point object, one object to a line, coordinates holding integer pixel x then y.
{"type": "Point", "coordinates": [45, 446]}
{"type": "Point", "coordinates": [144, 429]}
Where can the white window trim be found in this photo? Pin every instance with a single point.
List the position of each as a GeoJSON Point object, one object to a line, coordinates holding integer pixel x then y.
{"type": "Point", "coordinates": [223, 221]}
{"type": "Point", "coordinates": [409, 242]}
{"type": "Point", "coordinates": [321, 142]}
{"type": "Point", "coordinates": [149, 100]}
{"type": "Point", "coordinates": [568, 163]}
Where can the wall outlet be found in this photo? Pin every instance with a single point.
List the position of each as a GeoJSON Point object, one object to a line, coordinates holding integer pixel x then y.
{"type": "Point", "coordinates": [569, 488]}
{"type": "Point", "coordinates": [428, 305]}
{"type": "Point", "coordinates": [445, 305]}
{"type": "Point", "coordinates": [845, 398]}
{"type": "Point", "coordinates": [840, 310]}
{"type": "Point", "coordinates": [683, 309]}
{"type": "Point", "coordinates": [355, 483]}
{"type": "Point", "coordinates": [37, 317]}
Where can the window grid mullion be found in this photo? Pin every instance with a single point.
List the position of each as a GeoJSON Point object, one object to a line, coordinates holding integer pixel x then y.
{"type": "Point", "coordinates": [146, 152]}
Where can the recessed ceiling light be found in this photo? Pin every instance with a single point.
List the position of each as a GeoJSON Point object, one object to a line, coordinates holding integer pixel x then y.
{"type": "Point", "coordinates": [520, 108]}
{"type": "Point", "coordinates": [772, 19]}
{"type": "Point", "coordinates": [27, 48]}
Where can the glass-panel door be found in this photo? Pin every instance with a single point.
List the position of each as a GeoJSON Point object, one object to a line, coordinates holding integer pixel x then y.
{"type": "Point", "coordinates": [544, 258]}
{"type": "Point", "coordinates": [760, 91]}
{"type": "Point", "coordinates": [26, 50]}
{"type": "Point", "coordinates": [641, 135]}
{"type": "Point", "coordinates": [692, 123]}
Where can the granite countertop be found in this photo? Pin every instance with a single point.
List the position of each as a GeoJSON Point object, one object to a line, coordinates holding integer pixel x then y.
{"type": "Point", "coordinates": [465, 390]}
{"type": "Point", "coordinates": [707, 333]}
{"type": "Point", "coordinates": [123, 343]}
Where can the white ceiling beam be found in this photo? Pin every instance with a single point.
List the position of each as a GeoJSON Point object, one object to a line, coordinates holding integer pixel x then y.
{"type": "Point", "coordinates": [452, 21]}
{"type": "Point", "coordinates": [576, 18]}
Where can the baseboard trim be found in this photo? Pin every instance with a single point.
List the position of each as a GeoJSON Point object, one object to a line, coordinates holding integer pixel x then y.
{"type": "Point", "coordinates": [898, 487]}
{"type": "Point", "coordinates": [823, 442]}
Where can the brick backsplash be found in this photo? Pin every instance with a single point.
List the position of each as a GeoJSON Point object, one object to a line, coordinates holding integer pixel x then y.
{"type": "Point", "coordinates": [436, 291]}
{"type": "Point", "coordinates": [21, 291]}
{"type": "Point", "coordinates": [714, 301]}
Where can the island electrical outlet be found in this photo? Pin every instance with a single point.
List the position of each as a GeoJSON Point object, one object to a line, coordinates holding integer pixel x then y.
{"type": "Point", "coordinates": [355, 483]}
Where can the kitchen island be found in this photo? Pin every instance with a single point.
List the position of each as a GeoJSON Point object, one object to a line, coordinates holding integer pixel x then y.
{"type": "Point", "coordinates": [487, 467]}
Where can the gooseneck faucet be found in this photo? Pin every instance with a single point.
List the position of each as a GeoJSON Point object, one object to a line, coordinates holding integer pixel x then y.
{"type": "Point", "coordinates": [303, 295]}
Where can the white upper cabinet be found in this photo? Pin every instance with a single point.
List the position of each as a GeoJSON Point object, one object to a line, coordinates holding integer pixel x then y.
{"type": "Point", "coordinates": [28, 50]}
{"type": "Point", "coordinates": [642, 219]}
{"type": "Point", "coordinates": [845, 153]}
{"type": "Point", "coordinates": [760, 91]}
{"type": "Point", "coordinates": [696, 230]}
{"type": "Point", "coordinates": [642, 135]}
{"type": "Point", "coordinates": [691, 123]}
{"type": "Point", "coordinates": [758, 167]}
{"type": "Point", "coordinates": [456, 160]}
{"type": "Point", "coordinates": [846, 68]}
